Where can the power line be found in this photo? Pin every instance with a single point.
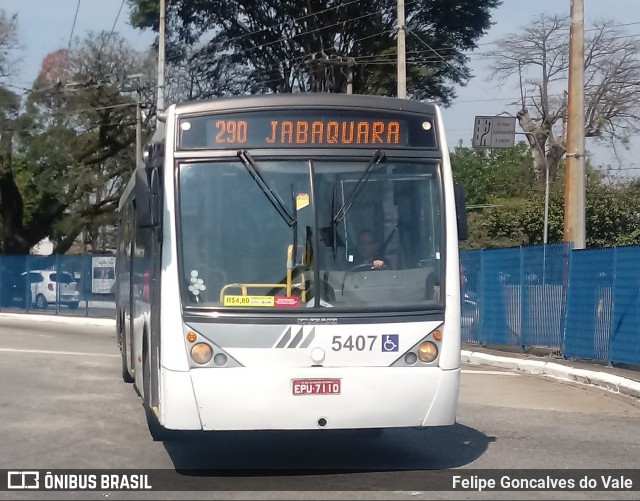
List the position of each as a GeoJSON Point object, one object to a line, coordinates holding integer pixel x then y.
{"type": "Point", "coordinates": [273, 69]}
{"type": "Point", "coordinates": [112, 29]}
{"type": "Point", "coordinates": [220, 45]}
{"type": "Point", "coordinates": [96, 108]}
{"type": "Point", "coordinates": [437, 52]}
{"type": "Point", "coordinates": [285, 39]}
{"type": "Point", "coordinates": [285, 23]}
{"type": "Point", "coordinates": [488, 55]}
{"type": "Point", "coordinates": [374, 59]}
{"type": "Point", "coordinates": [73, 26]}
{"type": "Point", "coordinates": [295, 60]}
{"type": "Point", "coordinates": [315, 30]}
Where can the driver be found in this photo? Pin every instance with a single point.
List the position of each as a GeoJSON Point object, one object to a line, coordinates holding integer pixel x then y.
{"type": "Point", "coordinates": [369, 251]}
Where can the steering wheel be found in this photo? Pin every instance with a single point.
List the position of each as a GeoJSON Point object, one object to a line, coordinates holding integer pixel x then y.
{"type": "Point", "coordinates": [357, 268]}
{"type": "Point", "coordinates": [366, 267]}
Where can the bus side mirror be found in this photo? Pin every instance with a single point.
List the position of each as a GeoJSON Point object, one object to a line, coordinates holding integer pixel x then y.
{"type": "Point", "coordinates": [148, 187]}
{"type": "Point", "coordinates": [461, 211]}
{"type": "Point", "coordinates": [147, 198]}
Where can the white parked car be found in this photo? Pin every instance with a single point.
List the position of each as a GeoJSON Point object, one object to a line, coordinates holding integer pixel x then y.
{"type": "Point", "coordinates": [50, 286]}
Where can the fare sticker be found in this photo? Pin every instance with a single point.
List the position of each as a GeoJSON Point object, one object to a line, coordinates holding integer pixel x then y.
{"type": "Point", "coordinates": [249, 301]}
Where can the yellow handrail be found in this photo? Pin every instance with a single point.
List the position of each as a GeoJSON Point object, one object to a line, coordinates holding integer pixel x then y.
{"type": "Point", "coordinates": [288, 285]}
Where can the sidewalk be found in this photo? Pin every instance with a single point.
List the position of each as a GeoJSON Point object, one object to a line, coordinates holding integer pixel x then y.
{"type": "Point", "coordinates": [615, 379]}
{"type": "Point", "coordinates": [59, 319]}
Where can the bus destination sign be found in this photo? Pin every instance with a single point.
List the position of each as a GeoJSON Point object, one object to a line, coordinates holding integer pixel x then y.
{"type": "Point", "coordinates": [307, 129]}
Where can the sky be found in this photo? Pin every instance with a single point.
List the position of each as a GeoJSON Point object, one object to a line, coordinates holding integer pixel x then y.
{"type": "Point", "coordinates": [46, 25]}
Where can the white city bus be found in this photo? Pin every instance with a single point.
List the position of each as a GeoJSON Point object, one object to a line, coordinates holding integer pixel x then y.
{"type": "Point", "coordinates": [246, 297]}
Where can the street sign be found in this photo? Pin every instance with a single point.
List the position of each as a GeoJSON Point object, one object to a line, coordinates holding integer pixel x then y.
{"type": "Point", "coordinates": [494, 132]}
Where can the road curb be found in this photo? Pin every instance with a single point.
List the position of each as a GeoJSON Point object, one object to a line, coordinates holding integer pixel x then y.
{"type": "Point", "coordinates": [61, 319]}
{"type": "Point", "coordinates": [601, 379]}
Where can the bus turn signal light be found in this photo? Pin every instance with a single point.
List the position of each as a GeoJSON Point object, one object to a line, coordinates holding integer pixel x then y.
{"type": "Point", "coordinates": [191, 336]}
{"type": "Point", "coordinates": [201, 353]}
{"type": "Point", "coordinates": [437, 334]}
{"type": "Point", "coordinates": [427, 352]}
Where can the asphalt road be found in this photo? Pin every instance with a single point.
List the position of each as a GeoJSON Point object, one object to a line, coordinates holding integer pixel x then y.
{"type": "Point", "coordinates": [63, 405]}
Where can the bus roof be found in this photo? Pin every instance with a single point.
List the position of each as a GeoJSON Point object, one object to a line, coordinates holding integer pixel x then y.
{"type": "Point", "coordinates": [304, 100]}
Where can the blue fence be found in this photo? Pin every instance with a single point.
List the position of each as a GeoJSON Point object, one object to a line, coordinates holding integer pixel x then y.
{"type": "Point", "coordinates": [589, 304]}
{"type": "Point", "coordinates": [585, 303]}
{"type": "Point", "coordinates": [75, 285]}
{"type": "Point", "coordinates": [519, 294]}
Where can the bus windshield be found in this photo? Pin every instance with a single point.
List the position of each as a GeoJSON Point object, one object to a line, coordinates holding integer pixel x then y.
{"type": "Point", "coordinates": [302, 233]}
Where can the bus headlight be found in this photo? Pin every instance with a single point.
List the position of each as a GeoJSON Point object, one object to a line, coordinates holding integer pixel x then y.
{"type": "Point", "coordinates": [427, 352]}
{"type": "Point", "coordinates": [201, 353]}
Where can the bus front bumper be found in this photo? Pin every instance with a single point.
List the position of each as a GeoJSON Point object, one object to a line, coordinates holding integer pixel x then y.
{"type": "Point", "coordinates": [263, 398]}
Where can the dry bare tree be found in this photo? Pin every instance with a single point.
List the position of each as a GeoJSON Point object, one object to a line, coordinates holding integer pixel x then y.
{"type": "Point", "coordinates": [537, 59]}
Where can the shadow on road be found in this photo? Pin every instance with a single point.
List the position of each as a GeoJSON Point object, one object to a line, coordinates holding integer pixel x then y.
{"type": "Point", "coordinates": [324, 459]}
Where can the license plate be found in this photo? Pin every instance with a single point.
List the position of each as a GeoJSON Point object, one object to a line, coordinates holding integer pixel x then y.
{"type": "Point", "coordinates": [316, 386]}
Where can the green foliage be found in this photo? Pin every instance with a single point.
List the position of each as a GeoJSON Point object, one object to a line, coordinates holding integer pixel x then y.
{"type": "Point", "coordinates": [72, 144]}
{"type": "Point", "coordinates": [486, 174]}
{"type": "Point", "coordinates": [515, 212]}
{"type": "Point", "coordinates": [611, 214]}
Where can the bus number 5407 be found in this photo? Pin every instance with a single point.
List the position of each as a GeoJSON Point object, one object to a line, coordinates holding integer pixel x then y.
{"type": "Point", "coordinates": [358, 343]}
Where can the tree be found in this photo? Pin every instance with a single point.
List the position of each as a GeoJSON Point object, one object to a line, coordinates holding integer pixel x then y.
{"type": "Point", "coordinates": [9, 106]}
{"type": "Point", "coordinates": [11, 204]}
{"type": "Point", "coordinates": [507, 209]}
{"type": "Point", "coordinates": [495, 182]}
{"type": "Point", "coordinates": [71, 151]}
{"type": "Point", "coordinates": [538, 57]}
{"type": "Point", "coordinates": [239, 46]}
{"type": "Point", "coordinates": [487, 175]}
{"type": "Point", "coordinates": [8, 41]}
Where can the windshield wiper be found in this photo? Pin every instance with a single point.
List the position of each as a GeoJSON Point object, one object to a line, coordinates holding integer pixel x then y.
{"type": "Point", "coordinates": [378, 156]}
{"type": "Point", "coordinates": [272, 196]}
{"type": "Point", "coordinates": [294, 209]}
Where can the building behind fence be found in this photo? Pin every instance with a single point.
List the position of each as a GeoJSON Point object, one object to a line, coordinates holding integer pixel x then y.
{"type": "Point", "coordinates": [583, 303]}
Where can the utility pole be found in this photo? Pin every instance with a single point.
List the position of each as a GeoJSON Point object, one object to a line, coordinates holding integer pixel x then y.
{"type": "Point", "coordinates": [138, 125]}
{"type": "Point", "coordinates": [160, 101]}
{"type": "Point", "coordinates": [349, 62]}
{"type": "Point", "coordinates": [138, 90]}
{"type": "Point", "coordinates": [574, 206]}
{"type": "Point", "coordinates": [402, 56]}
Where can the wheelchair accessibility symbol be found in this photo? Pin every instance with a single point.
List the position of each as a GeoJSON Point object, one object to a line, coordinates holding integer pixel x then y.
{"type": "Point", "coordinates": [390, 342]}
